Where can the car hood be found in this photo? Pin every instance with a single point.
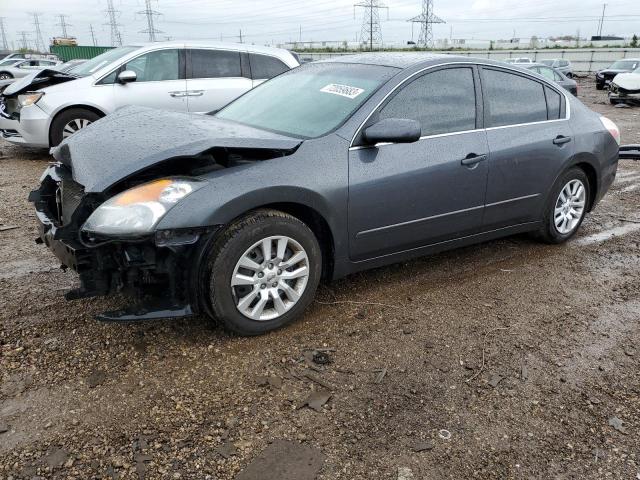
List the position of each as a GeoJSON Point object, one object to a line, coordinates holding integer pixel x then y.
{"type": "Point", "coordinates": [628, 81]}
{"type": "Point", "coordinates": [610, 71]}
{"type": "Point", "coordinates": [133, 139]}
{"type": "Point", "coordinates": [37, 80]}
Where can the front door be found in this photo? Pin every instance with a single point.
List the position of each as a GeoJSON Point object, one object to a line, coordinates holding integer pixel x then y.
{"type": "Point", "coordinates": [159, 82]}
{"type": "Point", "coordinates": [403, 196]}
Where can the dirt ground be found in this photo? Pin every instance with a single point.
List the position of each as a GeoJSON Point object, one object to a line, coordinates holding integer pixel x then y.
{"type": "Point", "coordinates": [509, 359]}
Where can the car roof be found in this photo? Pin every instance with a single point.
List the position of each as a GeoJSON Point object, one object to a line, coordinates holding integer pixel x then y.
{"type": "Point", "coordinates": [405, 60]}
{"type": "Point", "coordinates": [211, 44]}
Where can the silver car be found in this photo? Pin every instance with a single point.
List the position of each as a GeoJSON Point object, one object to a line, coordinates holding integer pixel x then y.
{"type": "Point", "coordinates": [24, 67]}
{"type": "Point", "coordinates": [559, 64]}
{"type": "Point", "coordinates": [193, 77]}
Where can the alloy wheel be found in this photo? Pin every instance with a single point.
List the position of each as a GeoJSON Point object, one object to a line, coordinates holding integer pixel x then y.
{"type": "Point", "coordinates": [4, 76]}
{"type": "Point", "coordinates": [569, 207]}
{"type": "Point", "coordinates": [73, 126]}
{"type": "Point", "coordinates": [270, 277]}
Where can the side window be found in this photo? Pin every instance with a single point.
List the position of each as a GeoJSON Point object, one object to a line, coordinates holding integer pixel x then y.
{"type": "Point", "coordinates": [442, 101]}
{"type": "Point", "coordinates": [512, 99]}
{"type": "Point", "coordinates": [214, 64]}
{"type": "Point", "coordinates": [546, 72]}
{"type": "Point", "coordinates": [554, 103]}
{"type": "Point", "coordinates": [156, 66]}
{"type": "Point", "coordinates": [265, 67]}
{"type": "Point", "coordinates": [557, 77]}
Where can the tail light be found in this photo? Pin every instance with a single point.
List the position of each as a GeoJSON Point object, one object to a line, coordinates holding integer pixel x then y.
{"type": "Point", "coordinates": [612, 127]}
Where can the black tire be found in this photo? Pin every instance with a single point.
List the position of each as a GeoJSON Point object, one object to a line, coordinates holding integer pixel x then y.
{"type": "Point", "coordinates": [599, 86]}
{"type": "Point", "coordinates": [227, 249]}
{"type": "Point", "coordinates": [548, 233]}
{"type": "Point", "coordinates": [5, 76]}
{"type": "Point", "coordinates": [59, 122]}
{"type": "Point", "coordinates": [569, 75]}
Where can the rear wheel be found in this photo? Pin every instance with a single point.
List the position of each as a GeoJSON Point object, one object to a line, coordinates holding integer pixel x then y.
{"type": "Point", "coordinates": [5, 76]}
{"type": "Point", "coordinates": [566, 207]}
{"type": "Point", "coordinates": [69, 122]}
{"type": "Point", "coordinates": [262, 272]}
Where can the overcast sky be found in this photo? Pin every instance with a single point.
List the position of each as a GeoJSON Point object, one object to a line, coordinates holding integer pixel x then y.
{"type": "Point", "coordinates": [272, 21]}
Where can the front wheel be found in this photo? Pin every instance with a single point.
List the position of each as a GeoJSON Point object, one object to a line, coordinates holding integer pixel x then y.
{"type": "Point", "coordinates": [5, 76]}
{"type": "Point", "coordinates": [69, 122]}
{"type": "Point", "coordinates": [566, 207]}
{"type": "Point", "coordinates": [599, 86]}
{"type": "Point", "coordinates": [262, 272]}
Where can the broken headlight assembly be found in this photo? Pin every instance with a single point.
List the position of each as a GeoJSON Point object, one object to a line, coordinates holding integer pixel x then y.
{"type": "Point", "coordinates": [138, 210]}
{"type": "Point", "coordinates": [29, 98]}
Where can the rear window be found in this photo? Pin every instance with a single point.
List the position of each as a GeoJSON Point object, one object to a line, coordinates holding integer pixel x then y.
{"type": "Point", "coordinates": [214, 64]}
{"type": "Point", "coordinates": [512, 99]}
{"type": "Point", "coordinates": [265, 67]}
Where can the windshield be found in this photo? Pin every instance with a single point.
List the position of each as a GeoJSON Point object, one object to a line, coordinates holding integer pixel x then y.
{"type": "Point", "coordinates": [548, 63]}
{"type": "Point", "coordinates": [308, 101]}
{"type": "Point", "coordinates": [91, 66]}
{"type": "Point", "coordinates": [624, 65]}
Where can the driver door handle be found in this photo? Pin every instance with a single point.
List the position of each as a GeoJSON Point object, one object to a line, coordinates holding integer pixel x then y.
{"type": "Point", "coordinates": [561, 140]}
{"type": "Point", "coordinates": [178, 94]}
{"type": "Point", "coordinates": [472, 159]}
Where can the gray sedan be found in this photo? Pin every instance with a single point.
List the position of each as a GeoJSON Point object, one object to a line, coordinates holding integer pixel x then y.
{"type": "Point", "coordinates": [24, 68]}
{"type": "Point", "coordinates": [555, 76]}
{"type": "Point", "coordinates": [380, 158]}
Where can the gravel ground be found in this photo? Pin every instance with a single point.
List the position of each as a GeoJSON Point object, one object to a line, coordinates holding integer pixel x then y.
{"type": "Point", "coordinates": [509, 359]}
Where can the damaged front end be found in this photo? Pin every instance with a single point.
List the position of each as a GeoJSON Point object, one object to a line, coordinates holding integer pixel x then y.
{"type": "Point", "coordinates": [625, 88]}
{"type": "Point", "coordinates": [154, 269]}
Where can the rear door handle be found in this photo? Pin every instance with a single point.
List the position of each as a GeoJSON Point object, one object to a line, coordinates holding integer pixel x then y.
{"type": "Point", "coordinates": [561, 140]}
{"type": "Point", "coordinates": [472, 159]}
{"type": "Point", "coordinates": [195, 93]}
{"type": "Point", "coordinates": [178, 94]}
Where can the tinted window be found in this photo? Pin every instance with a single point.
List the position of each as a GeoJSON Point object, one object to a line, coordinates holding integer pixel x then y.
{"type": "Point", "coordinates": [546, 72]}
{"type": "Point", "coordinates": [156, 66]}
{"type": "Point", "coordinates": [442, 101]}
{"type": "Point", "coordinates": [263, 66]}
{"type": "Point", "coordinates": [553, 103]}
{"type": "Point", "coordinates": [215, 64]}
{"type": "Point", "coordinates": [512, 99]}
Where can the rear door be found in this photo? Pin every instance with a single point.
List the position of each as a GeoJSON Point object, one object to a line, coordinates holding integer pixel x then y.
{"type": "Point", "coordinates": [264, 67]}
{"type": "Point", "coordinates": [160, 81]}
{"type": "Point", "coordinates": [215, 78]}
{"type": "Point", "coordinates": [529, 142]}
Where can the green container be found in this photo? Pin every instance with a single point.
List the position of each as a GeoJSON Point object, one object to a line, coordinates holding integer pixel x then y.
{"type": "Point", "coordinates": [66, 52]}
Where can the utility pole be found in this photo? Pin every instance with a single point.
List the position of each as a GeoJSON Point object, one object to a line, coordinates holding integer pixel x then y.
{"type": "Point", "coordinates": [116, 38]}
{"type": "Point", "coordinates": [93, 35]}
{"type": "Point", "coordinates": [426, 20]}
{"type": "Point", "coordinates": [3, 35]}
{"type": "Point", "coordinates": [601, 23]}
{"type": "Point", "coordinates": [25, 43]}
{"type": "Point", "coordinates": [63, 25]}
{"type": "Point", "coordinates": [240, 35]}
{"type": "Point", "coordinates": [371, 32]}
{"type": "Point", "coordinates": [150, 13]}
{"type": "Point", "coordinates": [39, 41]}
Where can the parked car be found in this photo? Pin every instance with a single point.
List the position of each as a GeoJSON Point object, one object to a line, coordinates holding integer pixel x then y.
{"type": "Point", "coordinates": [9, 61]}
{"type": "Point", "coordinates": [560, 64]}
{"type": "Point", "coordinates": [625, 88]}
{"type": "Point", "coordinates": [194, 77]}
{"type": "Point", "coordinates": [519, 60]}
{"type": "Point", "coordinates": [553, 75]}
{"type": "Point", "coordinates": [604, 77]}
{"type": "Point", "coordinates": [24, 68]}
{"type": "Point", "coordinates": [381, 157]}
{"type": "Point", "coordinates": [11, 55]}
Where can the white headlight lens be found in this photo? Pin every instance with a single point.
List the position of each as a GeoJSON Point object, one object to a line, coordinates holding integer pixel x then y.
{"type": "Point", "coordinates": [138, 210]}
{"type": "Point", "coordinates": [29, 98]}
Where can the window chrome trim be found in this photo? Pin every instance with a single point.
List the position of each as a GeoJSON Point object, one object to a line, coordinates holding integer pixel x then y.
{"type": "Point", "coordinates": [560, 90]}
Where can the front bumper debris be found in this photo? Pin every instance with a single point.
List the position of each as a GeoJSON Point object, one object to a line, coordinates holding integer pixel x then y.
{"type": "Point", "coordinates": [158, 272]}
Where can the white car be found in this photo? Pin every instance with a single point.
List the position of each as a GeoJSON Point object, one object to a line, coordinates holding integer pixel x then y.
{"type": "Point", "coordinates": [42, 110]}
{"type": "Point", "coordinates": [518, 60]}
{"type": "Point", "coordinates": [24, 67]}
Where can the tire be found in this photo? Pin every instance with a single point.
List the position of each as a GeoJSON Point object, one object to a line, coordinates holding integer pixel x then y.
{"type": "Point", "coordinates": [242, 240]}
{"type": "Point", "coordinates": [550, 232]}
{"type": "Point", "coordinates": [60, 122]}
{"type": "Point", "coordinates": [599, 86]}
{"type": "Point", "coordinates": [5, 76]}
{"type": "Point", "coordinates": [569, 75]}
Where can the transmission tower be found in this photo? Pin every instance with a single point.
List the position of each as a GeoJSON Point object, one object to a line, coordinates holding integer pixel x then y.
{"type": "Point", "coordinates": [3, 35]}
{"type": "Point", "coordinates": [150, 13]}
{"type": "Point", "coordinates": [601, 22]}
{"type": "Point", "coordinates": [116, 38]}
{"type": "Point", "coordinates": [63, 25]}
{"type": "Point", "coordinates": [23, 38]}
{"type": "Point", "coordinates": [371, 32]}
{"type": "Point", "coordinates": [93, 36]}
{"type": "Point", "coordinates": [426, 20]}
{"type": "Point", "coordinates": [36, 23]}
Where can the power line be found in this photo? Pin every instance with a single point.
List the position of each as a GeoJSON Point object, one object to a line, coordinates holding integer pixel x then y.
{"type": "Point", "coordinates": [3, 35]}
{"type": "Point", "coordinates": [63, 25]}
{"type": "Point", "coordinates": [93, 36]}
{"type": "Point", "coordinates": [36, 23]}
{"type": "Point", "coordinates": [371, 32]}
{"type": "Point", "coordinates": [150, 13]}
{"type": "Point", "coordinates": [116, 38]}
{"type": "Point", "coordinates": [426, 20]}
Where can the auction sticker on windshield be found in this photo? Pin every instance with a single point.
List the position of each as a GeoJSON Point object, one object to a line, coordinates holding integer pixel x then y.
{"type": "Point", "coordinates": [342, 90]}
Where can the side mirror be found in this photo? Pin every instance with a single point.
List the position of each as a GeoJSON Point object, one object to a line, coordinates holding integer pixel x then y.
{"type": "Point", "coordinates": [127, 76]}
{"type": "Point", "coordinates": [393, 130]}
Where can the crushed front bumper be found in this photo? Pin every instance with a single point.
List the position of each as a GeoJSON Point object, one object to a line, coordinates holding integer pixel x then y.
{"type": "Point", "coordinates": [31, 130]}
{"type": "Point", "coordinates": [619, 94]}
{"type": "Point", "coordinates": [159, 272]}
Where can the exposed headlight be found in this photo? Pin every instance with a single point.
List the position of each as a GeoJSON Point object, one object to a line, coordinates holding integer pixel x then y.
{"type": "Point", "coordinates": [29, 98]}
{"type": "Point", "coordinates": [138, 210]}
